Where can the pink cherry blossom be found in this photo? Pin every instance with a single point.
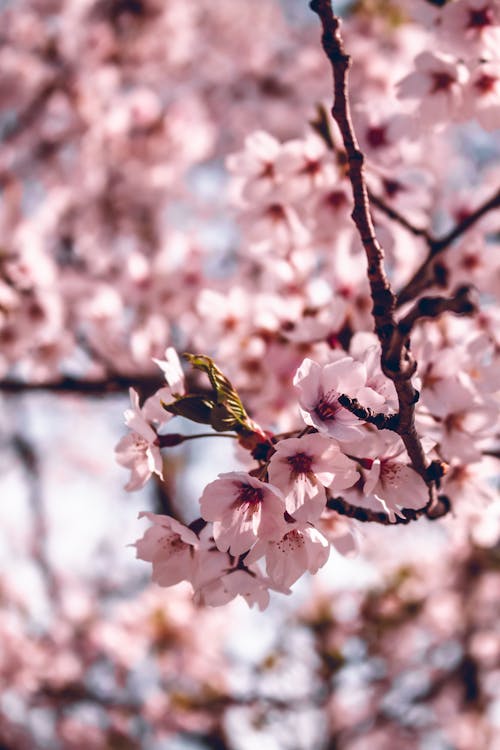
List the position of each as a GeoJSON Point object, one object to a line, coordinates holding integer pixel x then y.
{"type": "Point", "coordinates": [303, 467]}
{"type": "Point", "coordinates": [386, 482]}
{"type": "Point", "coordinates": [255, 166]}
{"type": "Point", "coordinates": [170, 546]}
{"type": "Point", "coordinates": [483, 94]}
{"type": "Point", "coordinates": [472, 26]}
{"type": "Point", "coordinates": [218, 577]}
{"type": "Point", "coordinates": [243, 509]}
{"type": "Point", "coordinates": [319, 388]}
{"type": "Point", "coordinates": [305, 166]}
{"type": "Point", "coordinates": [172, 370]}
{"type": "Point", "coordinates": [378, 392]}
{"type": "Point", "coordinates": [464, 420]}
{"type": "Point", "coordinates": [438, 83]}
{"type": "Point", "coordinates": [139, 450]}
{"type": "Point", "coordinates": [300, 550]}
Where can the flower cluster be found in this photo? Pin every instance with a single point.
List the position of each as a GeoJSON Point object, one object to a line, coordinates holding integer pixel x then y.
{"type": "Point", "coordinates": [262, 529]}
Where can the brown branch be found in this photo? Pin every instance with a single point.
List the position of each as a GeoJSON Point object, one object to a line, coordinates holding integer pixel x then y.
{"type": "Point", "coordinates": [27, 117]}
{"type": "Point", "coordinates": [384, 300]}
{"type": "Point", "coordinates": [396, 216]}
{"type": "Point", "coordinates": [440, 508]}
{"type": "Point", "coordinates": [146, 385]}
{"type": "Point", "coordinates": [29, 461]}
{"type": "Point", "coordinates": [427, 274]}
{"type": "Point", "coordinates": [381, 421]}
{"type": "Point", "coordinates": [461, 303]}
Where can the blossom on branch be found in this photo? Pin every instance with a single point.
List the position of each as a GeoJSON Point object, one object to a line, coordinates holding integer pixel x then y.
{"type": "Point", "coordinates": [300, 550]}
{"type": "Point", "coordinates": [243, 509]}
{"type": "Point", "coordinates": [170, 547]}
{"type": "Point", "coordinates": [319, 388]}
{"type": "Point", "coordinates": [139, 451]}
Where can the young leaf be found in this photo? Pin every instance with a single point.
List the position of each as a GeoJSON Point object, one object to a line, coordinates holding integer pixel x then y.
{"type": "Point", "coordinates": [195, 408]}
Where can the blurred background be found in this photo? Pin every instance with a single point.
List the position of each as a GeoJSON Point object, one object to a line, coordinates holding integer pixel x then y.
{"type": "Point", "coordinates": [115, 120]}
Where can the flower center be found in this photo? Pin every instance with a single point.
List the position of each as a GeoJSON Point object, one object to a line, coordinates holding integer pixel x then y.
{"type": "Point", "coordinates": [441, 82]}
{"type": "Point", "coordinates": [480, 18]}
{"type": "Point", "coordinates": [300, 463]}
{"type": "Point", "coordinates": [485, 84]}
{"type": "Point", "coordinates": [311, 167]}
{"type": "Point", "coordinates": [326, 408]}
{"type": "Point", "coordinates": [335, 199]}
{"type": "Point", "coordinates": [276, 212]}
{"type": "Point", "coordinates": [249, 494]}
{"type": "Point", "coordinates": [376, 135]}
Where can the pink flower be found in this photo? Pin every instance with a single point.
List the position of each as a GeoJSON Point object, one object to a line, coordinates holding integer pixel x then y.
{"type": "Point", "coordinates": [319, 388]}
{"type": "Point", "coordinates": [378, 392]}
{"type": "Point", "coordinates": [341, 532]}
{"type": "Point", "coordinates": [173, 372]}
{"type": "Point", "coordinates": [275, 225]}
{"type": "Point", "coordinates": [219, 578]}
{"type": "Point", "coordinates": [305, 166]}
{"type": "Point", "coordinates": [138, 451]}
{"type": "Point", "coordinates": [387, 484]}
{"type": "Point", "coordinates": [395, 486]}
{"type": "Point", "coordinates": [483, 100]}
{"type": "Point", "coordinates": [472, 26]}
{"type": "Point", "coordinates": [303, 467]}
{"type": "Point", "coordinates": [256, 165]}
{"type": "Point", "coordinates": [465, 420]}
{"type": "Point", "coordinates": [438, 83]}
{"type": "Point", "coordinates": [298, 551]}
{"type": "Point", "coordinates": [153, 409]}
{"type": "Point", "coordinates": [170, 546]}
{"type": "Point", "coordinates": [243, 509]}
{"type": "Point", "coordinates": [227, 585]}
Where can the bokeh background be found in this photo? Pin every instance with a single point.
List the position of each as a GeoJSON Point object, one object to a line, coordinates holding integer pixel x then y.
{"type": "Point", "coordinates": [116, 118]}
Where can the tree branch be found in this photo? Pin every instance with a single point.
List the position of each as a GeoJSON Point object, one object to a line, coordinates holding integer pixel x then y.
{"type": "Point", "coordinates": [461, 303]}
{"type": "Point", "coordinates": [384, 300]}
{"type": "Point", "coordinates": [381, 421]}
{"type": "Point", "coordinates": [439, 509]}
{"type": "Point", "coordinates": [146, 385]}
{"type": "Point", "coordinates": [396, 216]}
{"type": "Point", "coordinates": [426, 275]}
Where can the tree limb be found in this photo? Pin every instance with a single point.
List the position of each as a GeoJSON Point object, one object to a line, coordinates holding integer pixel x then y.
{"type": "Point", "coordinates": [426, 274]}
{"type": "Point", "coordinates": [384, 299]}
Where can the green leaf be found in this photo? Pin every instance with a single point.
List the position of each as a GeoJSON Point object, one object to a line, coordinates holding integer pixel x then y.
{"type": "Point", "coordinates": [222, 420]}
{"type": "Point", "coordinates": [195, 408]}
{"type": "Point", "coordinates": [225, 393]}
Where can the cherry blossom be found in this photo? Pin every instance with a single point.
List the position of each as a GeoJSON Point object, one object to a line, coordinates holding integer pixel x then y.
{"type": "Point", "coordinates": [170, 547]}
{"type": "Point", "coordinates": [438, 83]}
{"type": "Point", "coordinates": [256, 166]}
{"type": "Point", "coordinates": [319, 388]}
{"type": "Point", "coordinates": [472, 25]}
{"type": "Point", "coordinates": [300, 550]}
{"type": "Point", "coordinates": [483, 100]}
{"type": "Point", "coordinates": [302, 467]}
{"type": "Point", "coordinates": [386, 482]}
{"type": "Point", "coordinates": [174, 179]}
{"type": "Point", "coordinates": [243, 509]}
{"type": "Point", "coordinates": [139, 450]}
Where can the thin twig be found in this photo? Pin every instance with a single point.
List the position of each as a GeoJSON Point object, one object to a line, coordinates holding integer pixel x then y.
{"type": "Point", "coordinates": [381, 421]}
{"type": "Point", "coordinates": [426, 274]}
{"type": "Point", "coordinates": [461, 303]}
{"type": "Point", "coordinates": [396, 216]}
{"type": "Point", "coordinates": [146, 385]}
{"type": "Point", "coordinates": [366, 515]}
{"type": "Point", "coordinates": [30, 463]}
